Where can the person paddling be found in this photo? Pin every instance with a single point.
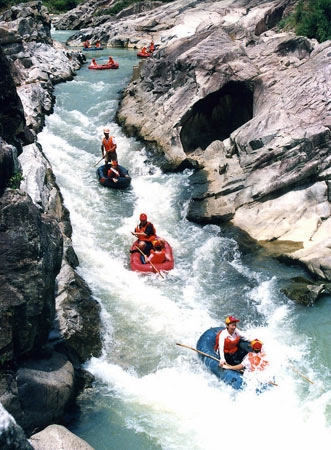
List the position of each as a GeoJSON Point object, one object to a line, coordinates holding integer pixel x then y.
{"type": "Point", "coordinates": [108, 148]}
{"type": "Point", "coordinates": [254, 360]}
{"type": "Point", "coordinates": [227, 343]}
{"type": "Point", "coordinates": [146, 234]}
{"type": "Point", "coordinates": [157, 253]}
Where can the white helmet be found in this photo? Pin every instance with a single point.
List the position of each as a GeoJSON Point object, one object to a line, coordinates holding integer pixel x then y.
{"type": "Point", "coordinates": [106, 130]}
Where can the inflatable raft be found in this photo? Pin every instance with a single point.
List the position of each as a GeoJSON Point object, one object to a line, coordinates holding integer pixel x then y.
{"type": "Point", "coordinates": [89, 49]}
{"type": "Point", "coordinates": [122, 183]}
{"type": "Point", "coordinates": [206, 344]}
{"type": "Point", "coordinates": [137, 265]}
{"type": "Point", "coordinates": [104, 66]}
{"type": "Point", "coordinates": [144, 55]}
{"type": "Point", "coordinates": [233, 378]}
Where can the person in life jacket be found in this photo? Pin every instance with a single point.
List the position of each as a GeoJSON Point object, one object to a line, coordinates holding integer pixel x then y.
{"type": "Point", "coordinates": [146, 234]}
{"type": "Point", "coordinates": [254, 360]}
{"type": "Point", "coordinates": [98, 44]}
{"type": "Point", "coordinates": [87, 44]}
{"type": "Point", "coordinates": [93, 62]}
{"type": "Point", "coordinates": [227, 343]}
{"type": "Point", "coordinates": [157, 253]}
{"type": "Point", "coordinates": [113, 172]}
{"type": "Point", "coordinates": [151, 47]}
{"type": "Point", "coordinates": [110, 61]}
{"type": "Point", "coordinates": [108, 148]}
{"type": "Point", "coordinates": [144, 51]}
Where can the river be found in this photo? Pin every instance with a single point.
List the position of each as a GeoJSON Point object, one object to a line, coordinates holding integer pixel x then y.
{"type": "Point", "coordinates": [149, 393]}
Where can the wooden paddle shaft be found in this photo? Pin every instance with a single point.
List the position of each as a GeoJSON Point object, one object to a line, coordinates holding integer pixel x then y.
{"type": "Point", "coordinates": [198, 351]}
{"type": "Point", "coordinates": [145, 256]}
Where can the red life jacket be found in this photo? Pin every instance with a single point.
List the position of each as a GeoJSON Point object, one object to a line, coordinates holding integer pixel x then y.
{"type": "Point", "coordinates": [141, 229]}
{"type": "Point", "coordinates": [257, 361]}
{"type": "Point", "coordinates": [230, 345]}
{"type": "Point", "coordinates": [113, 173]}
{"type": "Point", "coordinates": [108, 144]}
{"type": "Point", "coordinates": [157, 256]}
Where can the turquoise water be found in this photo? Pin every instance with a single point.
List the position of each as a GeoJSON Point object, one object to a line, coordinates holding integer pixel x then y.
{"type": "Point", "coordinates": [150, 394]}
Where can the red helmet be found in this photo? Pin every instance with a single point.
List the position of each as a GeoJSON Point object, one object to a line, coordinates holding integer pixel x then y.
{"type": "Point", "coordinates": [256, 344]}
{"type": "Point", "coordinates": [231, 319]}
{"type": "Point", "coordinates": [143, 216]}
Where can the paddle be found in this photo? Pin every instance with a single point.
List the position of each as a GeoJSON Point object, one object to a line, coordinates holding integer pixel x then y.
{"type": "Point", "coordinates": [149, 262]}
{"type": "Point", "coordinates": [99, 160]}
{"type": "Point", "coordinates": [212, 357]}
{"type": "Point", "coordinates": [199, 351]}
{"type": "Point", "coordinates": [307, 379]}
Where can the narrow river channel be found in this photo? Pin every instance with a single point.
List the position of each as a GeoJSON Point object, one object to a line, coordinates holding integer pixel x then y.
{"type": "Point", "coordinates": [150, 394]}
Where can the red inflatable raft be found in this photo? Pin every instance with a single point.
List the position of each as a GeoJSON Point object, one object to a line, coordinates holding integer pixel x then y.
{"type": "Point", "coordinates": [104, 66]}
{"type": "Point", "coordinates": [144, 55]}
{"type": "Point", "coordinates": [136, 264]}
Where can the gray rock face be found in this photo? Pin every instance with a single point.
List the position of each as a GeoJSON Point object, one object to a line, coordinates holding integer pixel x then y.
{"type": "Point", "coordinates": [12, 121]}
{"type": "Point", "coordinates": [31, 22]}
{"type": "Point", "coordinates": [35, 233]}
{"type": "Point", "coordinates": [45, 387]}
{"type": "Point", "coordinates": [78, 316]}
{"type": "Point", "coordinates": [34, 64]}
{"type": "Point", "coordinates": [31, 247]}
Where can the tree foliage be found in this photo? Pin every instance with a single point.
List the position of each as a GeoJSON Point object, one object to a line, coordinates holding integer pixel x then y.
{"type": "Point", "coordinates": [53, 6]}
{"type": "Point", "coordinates": [311, 18]}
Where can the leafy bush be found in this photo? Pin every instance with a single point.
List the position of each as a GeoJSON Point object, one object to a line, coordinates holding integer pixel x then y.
{"type": "Point", "coordinates": [53, 6]}
{"type": "Point", "coordinates": [312, 18]}
{"type": "Point", "coordinates": [60, 6]}
{"type": "Point", "coordinates": [5, 4]}
{"type": "Point", "coordinates": [15, 180]}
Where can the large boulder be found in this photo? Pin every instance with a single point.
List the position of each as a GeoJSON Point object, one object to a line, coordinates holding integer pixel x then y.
{"type": "Point", "coordinates": [45, 388]}
{"type": "Point", "coordinates": [57, 437]}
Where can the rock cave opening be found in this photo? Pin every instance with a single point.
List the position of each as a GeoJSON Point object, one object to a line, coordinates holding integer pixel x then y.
{"type": "Point", "coordinates": [216, 116]}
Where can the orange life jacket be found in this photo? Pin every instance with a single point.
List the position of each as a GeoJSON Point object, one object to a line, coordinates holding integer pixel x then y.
{"type": "Point", "coordinates": [142, 229]}
{"type": "Point", "coordinates": [257, 361]}
{"type": "Point", "coordinates": [230, 345]}
{"type": "Point", "coordinates": [157, 256]}
{"type": "Point", "coordinates": [113, 173]}
{"type": "Point", "coordinates": [109, 145]}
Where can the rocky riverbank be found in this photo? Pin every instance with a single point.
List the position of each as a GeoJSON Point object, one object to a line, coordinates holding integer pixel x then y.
{"type": "Point", "coordinates": [41, 293]}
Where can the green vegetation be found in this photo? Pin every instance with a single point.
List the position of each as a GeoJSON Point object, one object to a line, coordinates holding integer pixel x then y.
{"type": "Point", "coordinates": [53, 6]}
{"type": "Point", "coordinates": [15, 180]}
{"type": "Point", "coordinates": [60, 6]}
{"type": "Point", "coordinates": [311, 18]}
